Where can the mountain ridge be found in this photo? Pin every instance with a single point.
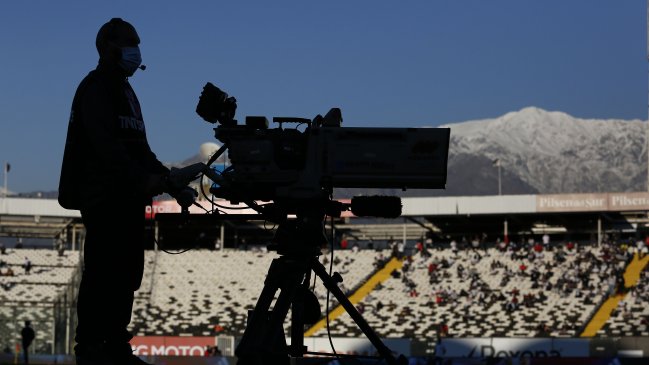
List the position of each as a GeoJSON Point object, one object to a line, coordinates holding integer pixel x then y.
{"type": "Point", "coordinates": [555, 152]}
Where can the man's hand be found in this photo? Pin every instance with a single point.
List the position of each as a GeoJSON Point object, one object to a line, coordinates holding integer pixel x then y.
{"type": "Point", "coordinates": [179, 178]}
{"type": "Point", "coordinates": [185, 197]}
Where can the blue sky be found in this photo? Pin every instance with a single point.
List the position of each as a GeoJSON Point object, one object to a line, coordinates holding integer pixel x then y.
{"type": "Point", "coordinates": [385, 63]}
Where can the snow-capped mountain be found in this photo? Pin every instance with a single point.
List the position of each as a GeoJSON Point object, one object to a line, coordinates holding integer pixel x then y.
{"type": "Point", "coordinates": [547, 152]}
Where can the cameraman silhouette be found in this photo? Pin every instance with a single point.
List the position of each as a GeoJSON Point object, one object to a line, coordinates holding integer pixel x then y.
{"type": "Point", "coordinates": [110, 174]}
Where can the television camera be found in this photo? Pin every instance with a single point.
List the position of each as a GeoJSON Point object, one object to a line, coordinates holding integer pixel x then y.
{"type": "Point", "coordinates": [296, 166]}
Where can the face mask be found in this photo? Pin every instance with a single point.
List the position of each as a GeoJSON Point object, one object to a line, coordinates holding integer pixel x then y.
{"type": "Point", "coordinates": [131, 59]}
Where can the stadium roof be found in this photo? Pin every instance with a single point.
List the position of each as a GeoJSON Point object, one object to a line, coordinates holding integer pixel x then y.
{"type": "Point", "coordinates": [447, 214]}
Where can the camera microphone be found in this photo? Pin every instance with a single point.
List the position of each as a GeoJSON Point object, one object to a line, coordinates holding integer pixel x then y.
{"type": "Point", "coordinates": [142, 67]}
{"type": "Point", "coordinates": [376, 206]}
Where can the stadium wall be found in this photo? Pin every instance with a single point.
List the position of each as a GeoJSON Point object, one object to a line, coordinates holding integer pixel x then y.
{"type": "Point", "coordinates": [419, 206]}
{"type": "Point", "coordinates": [543, 347]}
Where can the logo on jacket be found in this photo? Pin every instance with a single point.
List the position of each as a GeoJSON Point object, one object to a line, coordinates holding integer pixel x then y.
{"type": "Point", "coordinates": [128, 122]}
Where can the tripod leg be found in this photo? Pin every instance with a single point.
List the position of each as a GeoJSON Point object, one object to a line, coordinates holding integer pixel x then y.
{"type": "Point", "coordinates": [297, 348]}
{"type": "Point", "coordinates": [293, 276]}
{"type": "Point", "coordinates": [297, 328]}
{"type": "Point", "coordinates": [263, 341]}
{"type": "Point", "coordinates": [330, 284]}
{"type": "Point", "coordinates": [253, 337]}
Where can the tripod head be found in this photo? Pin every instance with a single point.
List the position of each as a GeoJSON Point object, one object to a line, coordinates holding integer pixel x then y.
{"type": "Point", "coordinates": [303, 233]}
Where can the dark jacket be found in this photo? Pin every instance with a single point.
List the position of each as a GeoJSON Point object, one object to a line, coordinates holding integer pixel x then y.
{"type": "Point", "coordinates": [107, 157]}
{"type": "Point", "coordinates": [27, 335]}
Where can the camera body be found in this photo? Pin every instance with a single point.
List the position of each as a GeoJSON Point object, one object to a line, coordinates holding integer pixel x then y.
{"type": "Point", "coordinates": [286, 163]}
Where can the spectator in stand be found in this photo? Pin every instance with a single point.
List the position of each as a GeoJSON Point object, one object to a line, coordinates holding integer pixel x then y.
{"type": "Point", "coordinates": [379, 306]}
{"type": "Point", "coordinates": [512, 246]}
{"type": "Point", "coordinates": [394, 251]}
{"type": "Point", "coordinates": [543, 330]}
{"type": "Point", "coordinates": [501, 245]}
{"type": "Point", "coordinates": [27, 265]}
{"type": "Point", "coordinates": [406, 266]}
{"type": "Point", "coordinates": [401, 250]}
{"type": "Point", "coordinates": [60, 247]}
{"type": "Point", "coordinates": [464, 244]}
{"type": "Point", "coordinates": [620, 286]}
{"type": "Point", "coordinates": [343, 243]}
{"type": "Point", "coordinates": [420, 247]}
{"type": "Point", "coordinates": [512, 305]}
{"type": "Point", "coordinates": [443, 330]}
{"type": "Point", "coordinates": [475, 258]}
{"type": "Point", "coordinates": [523, 269]}
{"type": "Point", "coordinates": [460, 271]}
{"type": "Point", "coordinates": [546, 241]}
{"type": "Point", "coordinates": [379, 260]}
{"type": "Point", "coordinates": [391, 306]}
{"type": "Point", "coordinates": [639, 245]}
{"type": "Point", "coordinates": [530, 243]}
{"type": "Point", "coordinates": [454, 247]}
{"type": "Point", "coordinates": [3, 249]}
{"type": "Point", "coordinates": [570, 246]}
{"type": "Point", "coordinates": [475, 243]}
{"type": "Point", "coordinates": [514, 292]}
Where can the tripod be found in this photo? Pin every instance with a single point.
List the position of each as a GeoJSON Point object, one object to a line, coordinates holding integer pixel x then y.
{"type": "Point", "coordinates": [297, 242]}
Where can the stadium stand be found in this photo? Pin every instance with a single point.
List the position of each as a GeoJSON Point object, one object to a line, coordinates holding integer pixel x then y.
{"type": "Point", "coordinates": [631, 316]}
{"type": "Point", "coordinates": [527, 292]}
{"type": "Point", "coordinates": [31, 294]}
{"type": "Point", "coordinates": [210, 292]}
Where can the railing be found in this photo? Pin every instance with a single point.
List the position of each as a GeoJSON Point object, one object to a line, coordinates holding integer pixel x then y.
{"type": "Point", "coordinates": [152, 280]}
{"type": "Point", "coordinates": [65, 314]}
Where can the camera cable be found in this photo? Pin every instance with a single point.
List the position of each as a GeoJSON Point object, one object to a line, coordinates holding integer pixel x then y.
{"type": "Point", "coordinates": [155, 241]}
{"type": "Point", "coordinates": [331, 267]}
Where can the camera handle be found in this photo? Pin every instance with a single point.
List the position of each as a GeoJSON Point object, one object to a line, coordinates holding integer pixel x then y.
{"type": "Point", "coordinates": [293, 120]}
